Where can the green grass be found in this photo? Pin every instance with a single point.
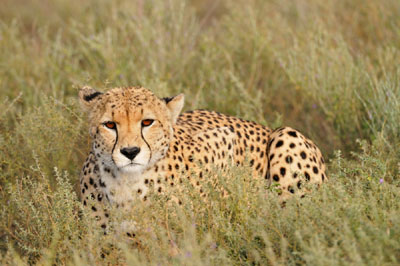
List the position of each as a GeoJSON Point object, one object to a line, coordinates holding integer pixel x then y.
{"type": "Point", "coordinates": [327, 68]}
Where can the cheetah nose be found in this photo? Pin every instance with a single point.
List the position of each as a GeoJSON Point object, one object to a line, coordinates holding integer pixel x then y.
{"type": "Point", "coordinates": [130, 152]}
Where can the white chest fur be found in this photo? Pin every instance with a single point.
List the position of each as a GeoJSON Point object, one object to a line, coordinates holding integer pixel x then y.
{"type": "Point", "coordinates": [122, 188]}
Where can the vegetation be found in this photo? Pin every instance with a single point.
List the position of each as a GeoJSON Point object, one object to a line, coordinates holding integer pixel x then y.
{"type": "Point", "coordinates": [328, 68]}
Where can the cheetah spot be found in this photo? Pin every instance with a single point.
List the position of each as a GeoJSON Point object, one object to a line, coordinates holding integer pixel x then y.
{"type": "Point", "coordinates": [283, 171]}
{"type": "Point", "coordinates": [293, 134]}
{"type": "Point", "coordinates": [315, 170]}
{"type": "Point", "coordinates": [279, 144]}
{"type": "Point", "coordinates": [307, 176]}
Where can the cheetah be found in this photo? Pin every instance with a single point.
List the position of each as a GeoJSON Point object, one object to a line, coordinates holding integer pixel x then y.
{"type": "Point", "coordinates": [141, 141]}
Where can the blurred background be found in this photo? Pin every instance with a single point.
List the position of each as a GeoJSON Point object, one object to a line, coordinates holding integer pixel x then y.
{"type": "Point", "coordinates": [328, 68]}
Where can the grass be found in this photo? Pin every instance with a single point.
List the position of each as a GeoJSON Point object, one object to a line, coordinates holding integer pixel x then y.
{"type": "Point", "coordinates": [327, 68]}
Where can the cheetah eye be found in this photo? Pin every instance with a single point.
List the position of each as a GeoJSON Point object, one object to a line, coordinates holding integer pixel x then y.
{"type": "Point", "coordinates": [147, 122]}
{"type": "Point", "coordinates": [110, 125]}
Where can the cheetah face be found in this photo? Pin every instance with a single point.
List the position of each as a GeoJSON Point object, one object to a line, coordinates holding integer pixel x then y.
{"type": "Point", "coordinates": [131, 127]}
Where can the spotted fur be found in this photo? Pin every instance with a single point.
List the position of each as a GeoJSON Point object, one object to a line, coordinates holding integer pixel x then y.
{"type": "Point", "coordinates": [127, 160]}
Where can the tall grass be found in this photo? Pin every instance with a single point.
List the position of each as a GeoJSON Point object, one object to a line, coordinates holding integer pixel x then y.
{"type": "Point", "coordinates": [328, 68]}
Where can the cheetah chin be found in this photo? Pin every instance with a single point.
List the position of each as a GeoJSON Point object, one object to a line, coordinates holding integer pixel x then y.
{"type": "Point", "coordinates": [134, 168]}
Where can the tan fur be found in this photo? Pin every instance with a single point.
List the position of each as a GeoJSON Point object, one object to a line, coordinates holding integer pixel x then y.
{"type": "Point", "coordinates": [173, 146]}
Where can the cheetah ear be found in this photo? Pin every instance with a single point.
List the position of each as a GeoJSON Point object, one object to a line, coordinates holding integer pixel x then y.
{"type": "Point", "coordinates": [175, 105]}
{"type": "Point", "coordinates": [88, 97]}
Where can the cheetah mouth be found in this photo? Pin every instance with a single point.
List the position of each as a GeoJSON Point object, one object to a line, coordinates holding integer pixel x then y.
{"type": "Point", "coordinates": [131, 164]}
{"type": "Point", "coordinates": [131, 167]}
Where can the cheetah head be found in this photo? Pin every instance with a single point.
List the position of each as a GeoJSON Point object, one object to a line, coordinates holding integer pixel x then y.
{"type": "Point", "coordinates": [131, 127]}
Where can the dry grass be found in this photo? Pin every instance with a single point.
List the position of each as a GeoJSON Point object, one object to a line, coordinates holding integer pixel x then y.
{"type": "Point", "coordinates": [328, 68]}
